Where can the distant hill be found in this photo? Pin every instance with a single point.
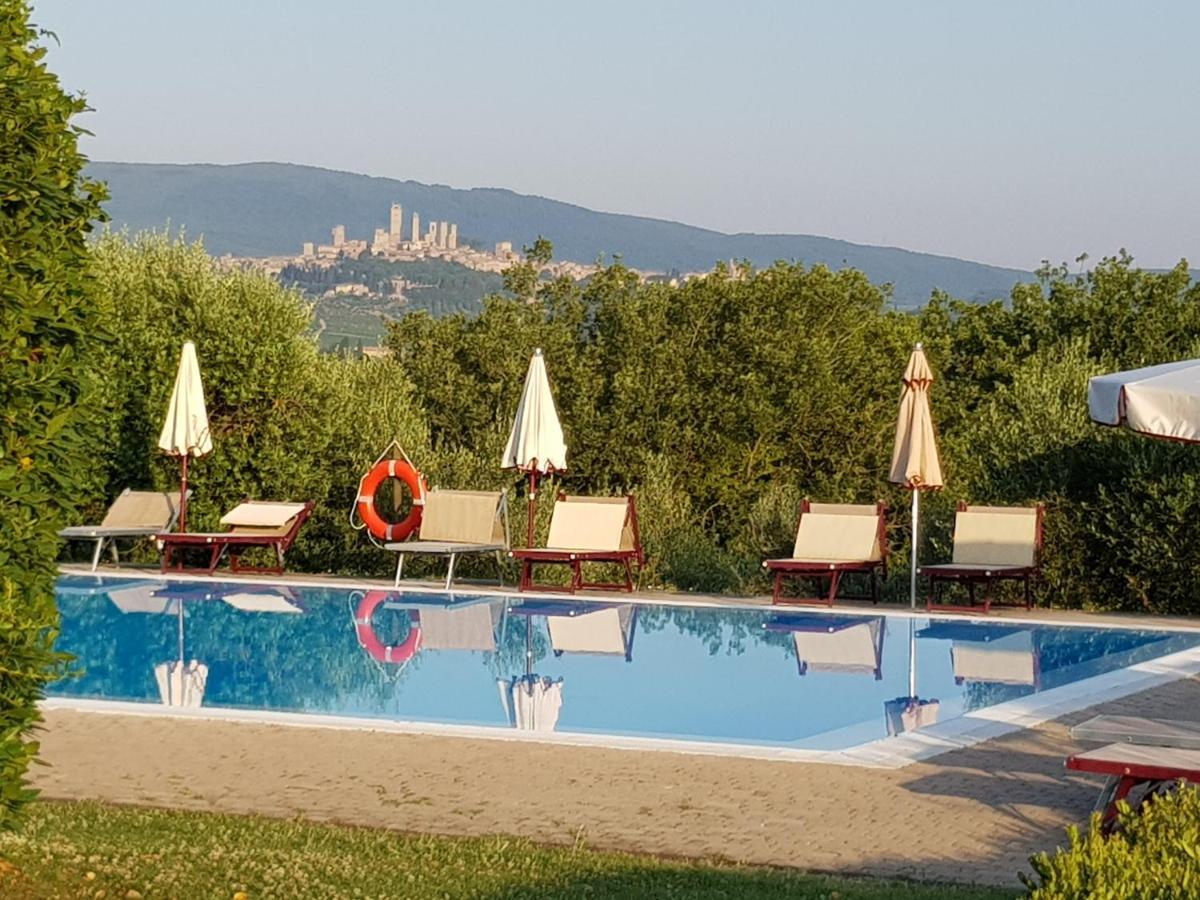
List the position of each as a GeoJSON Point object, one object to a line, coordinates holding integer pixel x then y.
{"type": "Point", "coordinates": [263, 209]}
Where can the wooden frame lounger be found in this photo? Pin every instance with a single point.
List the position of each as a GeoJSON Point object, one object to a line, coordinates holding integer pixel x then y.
{"type": "Point", "coordinates": [833, 539]}
{"type": "Point", "coordinates": [455, 523]}
{"type": "Point", "coordinates": [1128, 767]}
{"type": "Point", "coordinates": [253, 524]}
{"type": "Point", "coordinates": [586, 529]}
{"type": "Point", "coordinates": [133, 514]}
{"type": "Point", "coordinates": [991, 544]}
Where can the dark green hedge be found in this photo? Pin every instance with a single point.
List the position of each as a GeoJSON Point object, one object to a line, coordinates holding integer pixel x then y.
{"type": "Point", "coordinates": [48, 320]}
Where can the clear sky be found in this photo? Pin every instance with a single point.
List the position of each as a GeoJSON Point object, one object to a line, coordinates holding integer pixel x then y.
{"type": "Point", "coordinates": [1006, 132]}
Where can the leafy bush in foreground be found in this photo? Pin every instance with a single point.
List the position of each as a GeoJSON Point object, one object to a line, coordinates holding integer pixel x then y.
{"type": "Point", "coordinates": [1153, 854]}
{"type": "Point", "coordinates": [47, 321]}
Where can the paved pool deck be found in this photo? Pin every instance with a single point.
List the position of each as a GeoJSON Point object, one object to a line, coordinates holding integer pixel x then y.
{"type": "Point", "coordinates": [971, 815]}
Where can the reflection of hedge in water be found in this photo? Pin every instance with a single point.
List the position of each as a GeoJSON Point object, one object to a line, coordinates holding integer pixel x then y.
{"type": "Point", "coordinates": [730, 631]}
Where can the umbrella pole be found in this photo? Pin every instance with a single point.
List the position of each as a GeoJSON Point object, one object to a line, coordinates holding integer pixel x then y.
{"type": "Point", "coordinates": [180, 602]}
{"type": "Point", "coordinates": [916, 520]}
{"type": "Point", "coordinates": [912, 658]}
{"type": "Point", "coordinates": [529, 647]}
{"type": "Point", "coordinates": [183, 494]}
{"type": "Point", "coordinates": [531, 530]}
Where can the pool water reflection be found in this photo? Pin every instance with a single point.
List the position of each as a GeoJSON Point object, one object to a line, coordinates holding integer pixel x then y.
{"type": "Point", "coordinates": [768, 678]}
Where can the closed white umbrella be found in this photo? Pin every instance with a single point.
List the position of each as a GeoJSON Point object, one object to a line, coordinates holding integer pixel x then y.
{"type": "Point", "coordinates": [185, 432]}
{"type": "Point", "coordinates": [915, 461]}
{"type": "Point", "coordinates": [535, 443]}
{"type": "Point", "coordinates": [1159, 401]}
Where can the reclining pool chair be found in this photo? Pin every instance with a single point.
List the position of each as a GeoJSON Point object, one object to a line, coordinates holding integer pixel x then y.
{"type": "Point", "coordinates": [134, 514]}
{"type": "Point", "coordinates": [587, 529]}
{"type": "Point", "coordinates": [833, 539]}
{"type": "Point", "coordinates": [455, 523]}
{"type": "Point", "coordinates": [991, 544]}
{"type": "Point", "coordinates": [1142, 756]}
{"type": "Point", "coordinates": [253, 524]}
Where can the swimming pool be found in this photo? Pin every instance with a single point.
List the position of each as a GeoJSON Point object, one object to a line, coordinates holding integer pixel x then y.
{"type": "Point", "coordinates": [594, 670]}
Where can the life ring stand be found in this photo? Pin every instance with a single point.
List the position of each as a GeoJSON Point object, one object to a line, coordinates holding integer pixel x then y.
{"type": "Point", "coordinates": [394, 654]}
{"type": "Point", "coordinates": [368, 514]}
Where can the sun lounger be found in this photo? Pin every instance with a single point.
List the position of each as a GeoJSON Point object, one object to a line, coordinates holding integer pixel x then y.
{"type": "Point", "coordinates": [602, 630]}
{"type": "Point", "coordinates": [134, 514]}
{"type": "Point", "coordinates": [471, 627]}
{"type": "Point", "coordinates": [455, 523]}
{"type": "Point", "coordinates": [1009, 659]}
{"type": "Point", "coordinates": [587, 529]}
{"type": "Point", "coordinates": [851, 645]}
{"type": "Point", "coordinates": [252, 525]}
{"type": "Point", "coordinates": [991, 544]}
{"type": "Point", "coordinates": [1131, 768]}
{"type": "Point", "coordinates": [833, 539]}
{"type": "Point", "coordinates": [1137, 730]}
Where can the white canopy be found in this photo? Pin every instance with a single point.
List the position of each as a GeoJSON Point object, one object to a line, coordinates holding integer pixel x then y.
{"type": "Point", "coordinates": [1161, 401]}
{"type": "Point", "coordinates": [536, 440]}
{"type": "Point", "coordinates": [185, 431]}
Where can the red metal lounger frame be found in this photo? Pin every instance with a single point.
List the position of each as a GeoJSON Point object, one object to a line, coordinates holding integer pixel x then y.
{"type": "Point", "coordinates": [818, 571]}
{"type": "Point", "coordinates": [1128, 766]}
{"type": "Point", "coordinates": [529, 557]}
{"type": "Point", "coordinates": [233, 544]}
{"type": "Point", "coordinates": [988, 577]}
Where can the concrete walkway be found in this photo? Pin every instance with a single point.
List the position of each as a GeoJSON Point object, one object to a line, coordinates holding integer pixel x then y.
{"type": "Point", "coordinates": [972, 815]}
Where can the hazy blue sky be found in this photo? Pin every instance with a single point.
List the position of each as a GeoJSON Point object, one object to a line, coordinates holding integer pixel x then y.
{"type": "Point", "coordinates": [1004, 131]}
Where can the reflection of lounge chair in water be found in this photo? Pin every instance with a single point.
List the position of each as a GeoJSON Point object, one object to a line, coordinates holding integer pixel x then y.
{"type": "Point", "coordinates": [989, 654]}
{"type": "Point", "coordinates": [607, 629]}
{"type": "Point", "coordinates": [849, 644]}
{"type": "Point", "coordinates": [472, 627]}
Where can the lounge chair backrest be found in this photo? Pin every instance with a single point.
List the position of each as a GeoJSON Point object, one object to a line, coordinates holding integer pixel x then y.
{"type": "Point", "coordinates": [263, 517]}
{"type": "Point", "coordinates": [592, 523]}
{"type": "Point", "coordinates": [851, 533]}
{"type": "Point", "coordinates": [142, 509]}
{"type": "Point", "coordinates": [997, 535]}
{"type": "Point", "coordinates": [853, 649]}
{"type": "Point", "coordinates": [467, 517]}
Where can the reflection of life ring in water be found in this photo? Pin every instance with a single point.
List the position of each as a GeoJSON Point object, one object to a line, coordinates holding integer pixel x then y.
{"type": "Point", "coordinates": [365, 504]}
{"type": "Point", "coordinates": [385, 653]}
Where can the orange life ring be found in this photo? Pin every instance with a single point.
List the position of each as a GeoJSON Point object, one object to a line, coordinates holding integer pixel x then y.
{"type": "Point", "coordinates": [369, 640]}
{"type": "Point", "coordinates": [380, 472]}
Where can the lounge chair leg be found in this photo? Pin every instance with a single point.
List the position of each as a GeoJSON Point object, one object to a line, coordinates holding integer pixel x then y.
{"type": "Point", "coordinates": [778, 587]}
{"type": "Point", "coordinates": [112, 546]}
{"type": "Point", "coordinates": [1028, 594]}
{"type": "Point", "coordinates": [834, 578]}
{"type": "Point", "coordinates": [399, 569]}
{"type": "Point", "coordinates": [628, 576]}
{"type": "Point", "coordinates": [450, 572]}
{"type": "Point", "coordinates": [576, 576]}
{"type": "Point", "coordinates": [96, 554]}
{"type": "Point", "coordinates": [500, 567]}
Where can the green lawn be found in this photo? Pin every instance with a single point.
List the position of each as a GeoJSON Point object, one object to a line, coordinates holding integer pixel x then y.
{"type": "Point", "coordinates": [92, 850]}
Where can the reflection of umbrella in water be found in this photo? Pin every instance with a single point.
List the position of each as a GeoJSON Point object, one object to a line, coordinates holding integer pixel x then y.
{"type": "Point", "coordinates": [531, 702]}
{"type": "Point", "coordinates": [180, 683]}
{"type": "Point", "coordinates": [910, 713]}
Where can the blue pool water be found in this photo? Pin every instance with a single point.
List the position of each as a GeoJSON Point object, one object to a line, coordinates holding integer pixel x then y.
{"type": "Point", "coordinates": [790, 678]}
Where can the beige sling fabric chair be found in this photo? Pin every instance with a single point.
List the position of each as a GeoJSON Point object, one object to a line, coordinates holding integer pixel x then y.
{"type": "Point", "coordinates": [587, 529]}
{"type": "Point", "coordinates": [455, 523]}
{"type": "Point", "coordinates": [606, 631]}
{"type": "Point", "coordinates": [991, 544]}
{"type": "Point", "coordinates": [134, 514]}
{"type": "Point", "coordinates": [833, 539]}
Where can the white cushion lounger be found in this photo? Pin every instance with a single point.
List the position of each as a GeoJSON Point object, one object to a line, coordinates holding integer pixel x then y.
{"type": "Point", "coordinates": [454, 523]}
{"type": "Point", "coordinates": [134, 514]}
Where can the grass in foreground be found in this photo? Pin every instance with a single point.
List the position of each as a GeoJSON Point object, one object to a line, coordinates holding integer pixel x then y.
{"type": "Point", "coordinates": [97, 851]}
